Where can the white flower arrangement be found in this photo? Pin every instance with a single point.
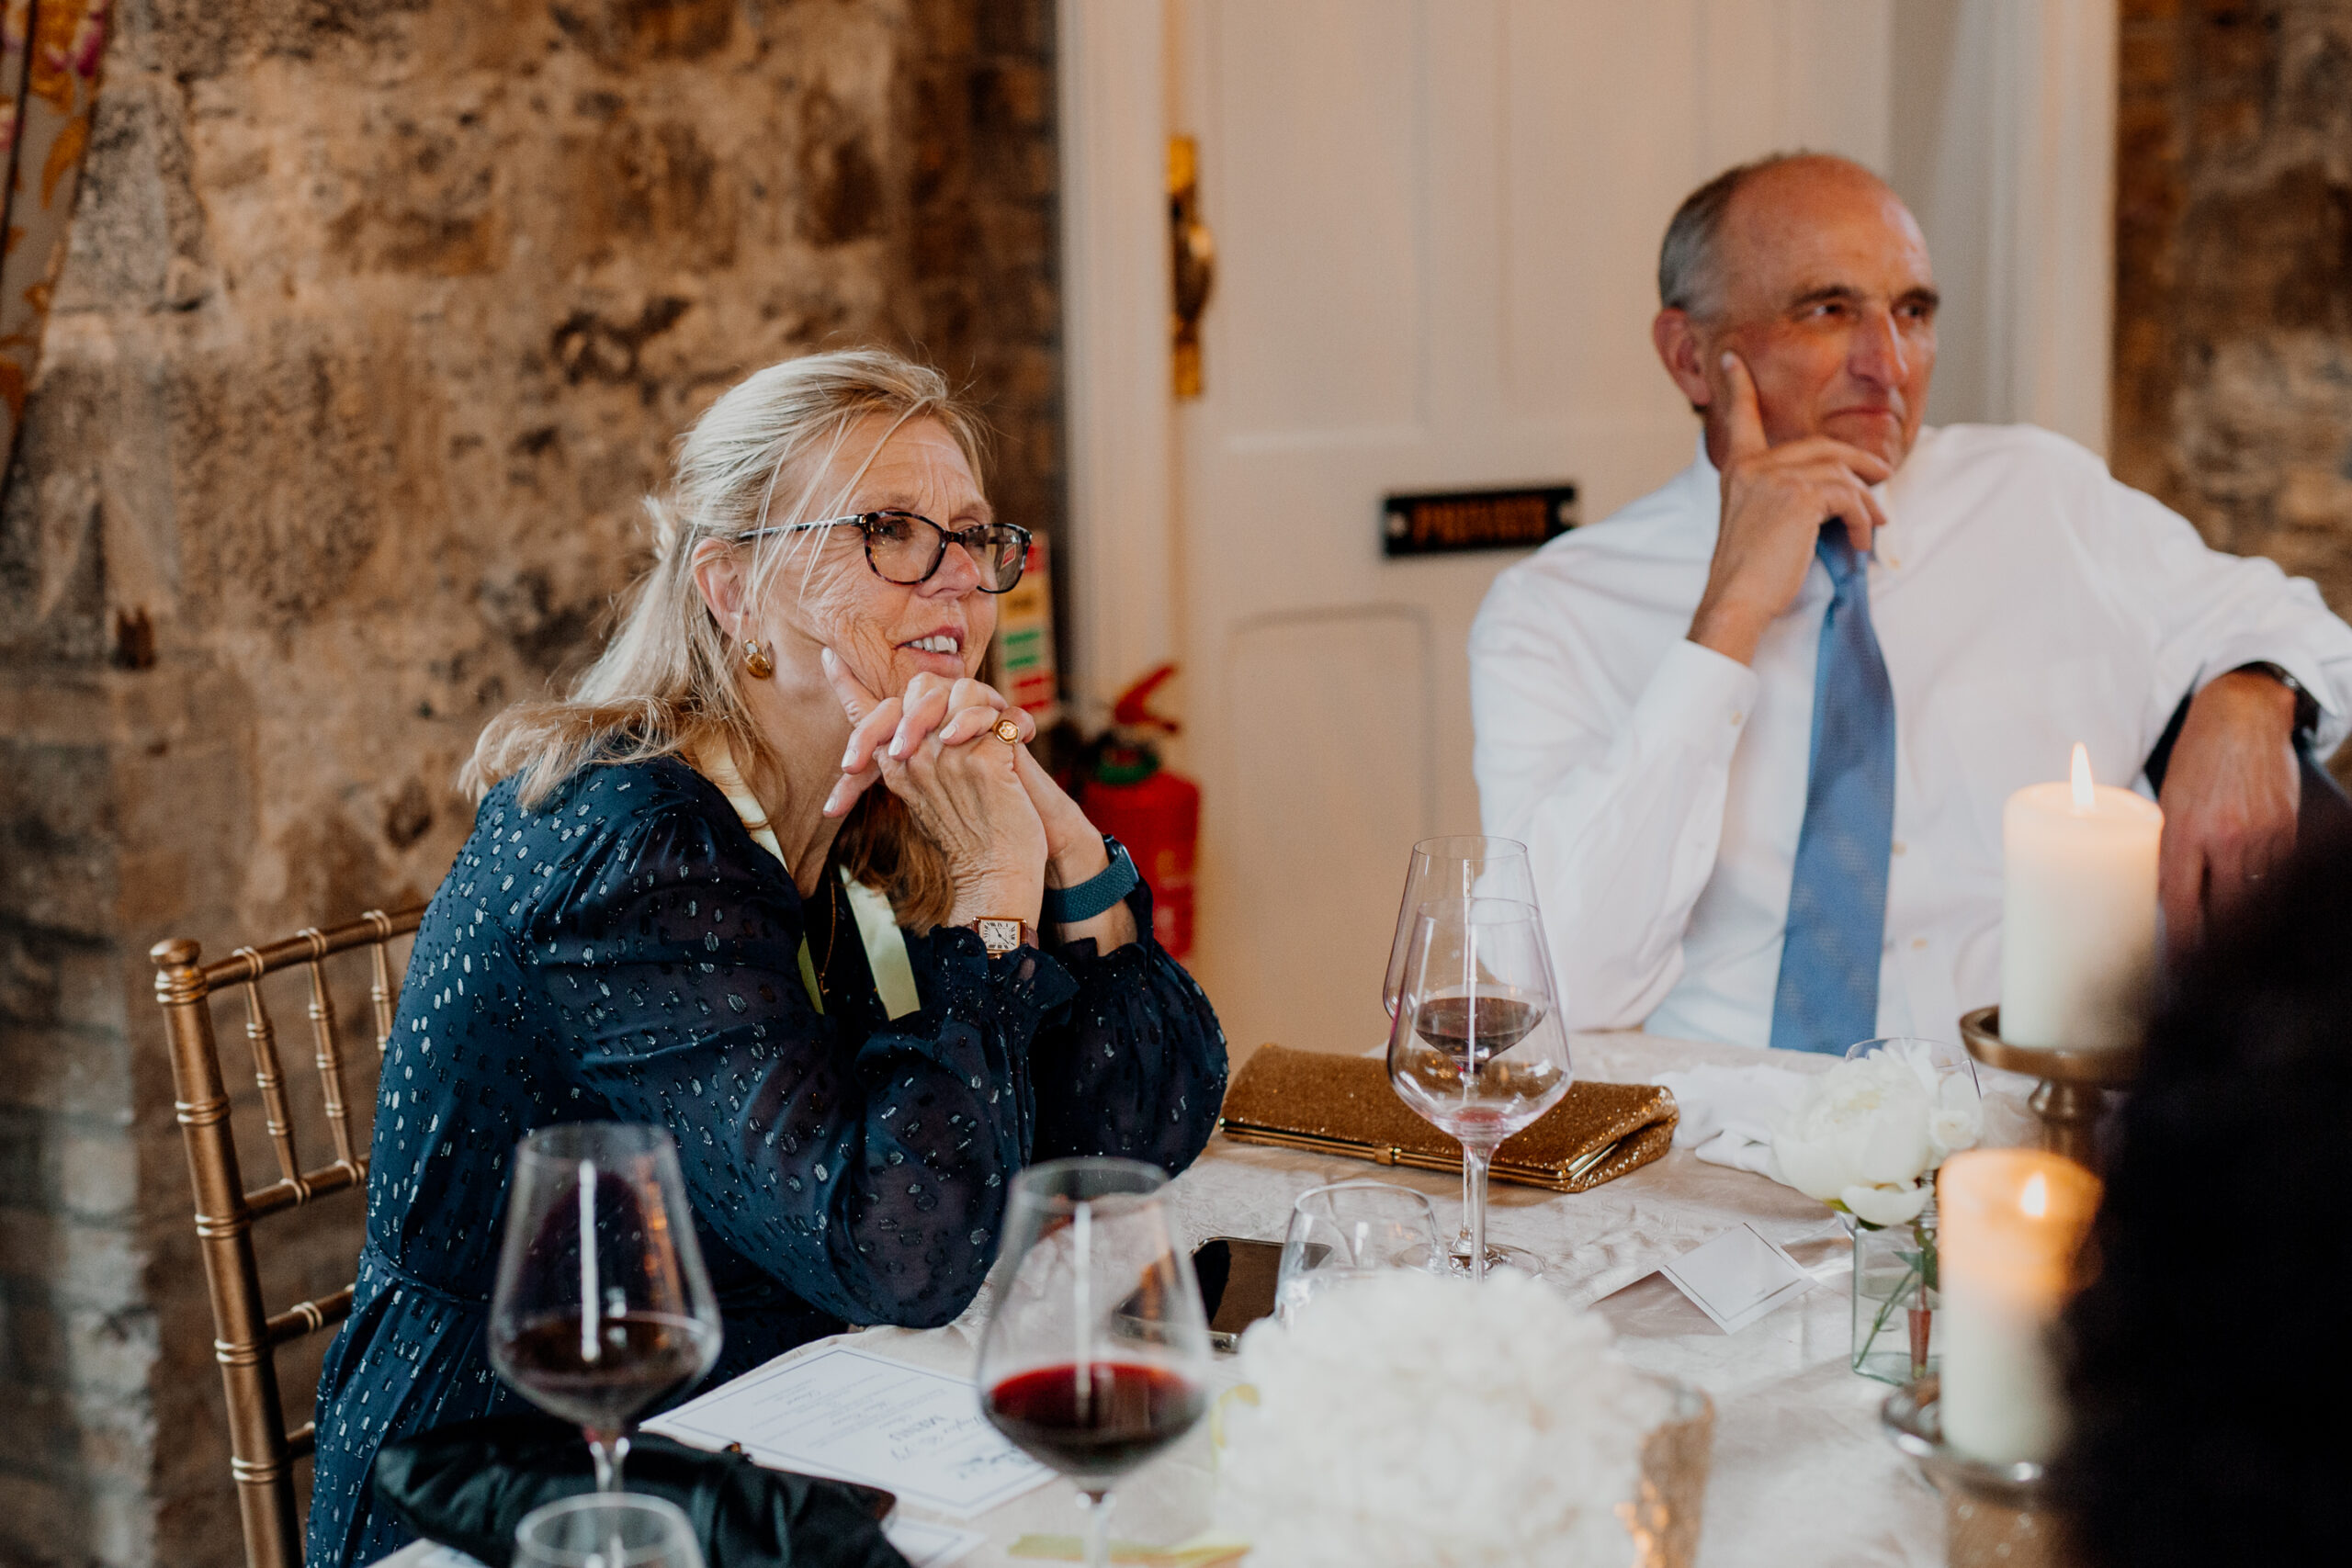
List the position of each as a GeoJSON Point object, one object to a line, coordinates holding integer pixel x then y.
{"type": "Point", "coordinates": [1870, 1134]}
{"type": "Point", "coordinates": [1412, 1419]}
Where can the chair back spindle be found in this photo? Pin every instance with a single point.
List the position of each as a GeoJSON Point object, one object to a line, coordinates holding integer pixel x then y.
{"type": "Point", "coordinates": [379, 978]}
{"type": "Point", "coordinates": [247, 1336]}
{"type": "Point", "coordinates": [262, 1035]}
{"type": "Point", "coordinates": [330, 1057]}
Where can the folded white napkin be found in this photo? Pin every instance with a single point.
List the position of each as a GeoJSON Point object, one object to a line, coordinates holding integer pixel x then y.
{"type": "Point", "coordinates": [1728, 1113]}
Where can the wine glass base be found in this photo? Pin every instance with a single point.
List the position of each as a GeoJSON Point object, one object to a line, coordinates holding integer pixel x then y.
{"type": "Point", "coordinates": [1517, 1259]}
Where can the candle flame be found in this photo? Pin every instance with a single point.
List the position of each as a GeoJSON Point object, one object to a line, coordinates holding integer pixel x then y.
{"type": "Point", "coordinates": [2084, 799]}
{"type": "Point", "coordinates": [2035, 1198]}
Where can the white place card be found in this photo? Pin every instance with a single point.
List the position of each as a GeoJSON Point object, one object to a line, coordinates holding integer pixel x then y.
{"type": "Point", "coordinates": [1738, 1277]}
{"type": "Point", "coordinates": [858, 1417]}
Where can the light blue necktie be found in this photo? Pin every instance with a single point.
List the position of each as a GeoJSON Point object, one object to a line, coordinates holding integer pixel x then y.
{"type": "Point", "coordinates": [1827, 997]}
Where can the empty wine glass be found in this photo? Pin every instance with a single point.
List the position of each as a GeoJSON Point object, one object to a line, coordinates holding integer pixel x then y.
{"type": "Point", "coordinates": [1465, 866]}
{"type": "Point", "coordinates": [606, 1529]}
{"type": "Point", "coordinates": [1350, 1231]}
{"type": "Point", "coordinates": [602, 1308]}
{"type": "Point", "coordinates": [1477, 1049]}
{"type": "Point", "coordinates": [1948, 1059]}
{"type": "Point", "coordinates": [1096, 1355]}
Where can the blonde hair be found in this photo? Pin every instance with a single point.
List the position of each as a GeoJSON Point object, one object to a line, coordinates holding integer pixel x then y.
{"type": "Point", "coordinates": [669, 675]}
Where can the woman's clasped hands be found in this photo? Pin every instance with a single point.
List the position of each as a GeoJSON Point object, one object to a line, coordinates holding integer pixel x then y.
{"type": "Point", "coordinates": [997, 817]}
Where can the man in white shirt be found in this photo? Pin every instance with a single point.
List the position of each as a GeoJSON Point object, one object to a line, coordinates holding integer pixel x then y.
{"type": "Point", "coordinates": [1786, 695]}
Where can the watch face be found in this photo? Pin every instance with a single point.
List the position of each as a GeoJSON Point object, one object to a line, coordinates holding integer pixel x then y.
{"type": "Point", "coordinates": [999, 936]}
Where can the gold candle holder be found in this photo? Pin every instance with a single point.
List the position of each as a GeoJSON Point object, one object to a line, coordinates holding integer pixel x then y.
{"type": "Point", "coordinates": [2074, 1082]}
{"type": "Point", "coordinates": [1995, 1516]}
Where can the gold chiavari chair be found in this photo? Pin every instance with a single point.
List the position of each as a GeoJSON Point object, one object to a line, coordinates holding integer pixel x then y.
{"type": "Point", "coordinates": [247, 1336]}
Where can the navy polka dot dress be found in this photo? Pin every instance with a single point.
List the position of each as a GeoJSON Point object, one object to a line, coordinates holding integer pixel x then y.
{"type": "Point", "coordinates": [627, 952]}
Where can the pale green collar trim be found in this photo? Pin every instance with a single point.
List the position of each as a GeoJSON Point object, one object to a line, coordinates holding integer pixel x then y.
{"type": "Point", "coordinates": [886, 948]}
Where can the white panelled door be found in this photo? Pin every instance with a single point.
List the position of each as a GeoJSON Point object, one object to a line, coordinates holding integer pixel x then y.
{"type": "Point", "coordinates": [1437, 227]}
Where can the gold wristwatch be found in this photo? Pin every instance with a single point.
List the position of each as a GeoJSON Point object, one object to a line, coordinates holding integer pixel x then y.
{"type": "Point", "coordinates": [1001, 936]}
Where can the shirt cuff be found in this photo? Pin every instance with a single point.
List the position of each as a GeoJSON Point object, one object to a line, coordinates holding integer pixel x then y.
{"type": "Point", "coordinates": [2308, 673]}
{"type": "Point", "coordinates": [1701, 694]}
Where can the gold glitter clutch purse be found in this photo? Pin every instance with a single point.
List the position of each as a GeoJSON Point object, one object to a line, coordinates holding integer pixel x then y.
{"type": "Point", "coordinates": [1343, 1105]}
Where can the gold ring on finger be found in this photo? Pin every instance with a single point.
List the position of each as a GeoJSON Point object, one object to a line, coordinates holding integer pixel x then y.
{"type": "Point", "coordinates": [1004, 729]}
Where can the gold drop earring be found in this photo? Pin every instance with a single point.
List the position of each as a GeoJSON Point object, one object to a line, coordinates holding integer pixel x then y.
{"type": "Point", "coordinates": [756, 659]}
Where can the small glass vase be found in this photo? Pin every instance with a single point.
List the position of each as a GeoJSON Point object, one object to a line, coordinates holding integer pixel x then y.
{"type": "Point", "coordinates": [1897, 1337]}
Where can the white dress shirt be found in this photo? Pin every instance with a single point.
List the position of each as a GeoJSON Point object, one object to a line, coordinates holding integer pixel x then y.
{"type": "Point", "coordinates": [2024, 600]}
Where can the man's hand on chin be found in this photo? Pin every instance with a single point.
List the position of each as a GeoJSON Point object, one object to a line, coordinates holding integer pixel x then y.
{"type": "Point", "coordinates": [2230, 799]}
{"type": "Point", "coordinates": [1775, 500]}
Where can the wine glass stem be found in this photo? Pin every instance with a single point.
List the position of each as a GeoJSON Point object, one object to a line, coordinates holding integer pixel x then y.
{"type": "Point", "coordinates": [1461, 1242]}
{"type": "Point", "coordinates": [1098, 1527]}
{"type": "Point", "coordinates": [1473, 1182]}
{"type": "Point", "coordinates": [610, 1449]}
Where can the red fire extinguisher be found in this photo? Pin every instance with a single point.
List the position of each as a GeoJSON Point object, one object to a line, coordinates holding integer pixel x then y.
{"type": "Point", "coordinates": [1156, 813]}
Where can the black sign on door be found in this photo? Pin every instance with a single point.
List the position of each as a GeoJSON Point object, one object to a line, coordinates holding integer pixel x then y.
{"type": "Point", "coordinates": [1446, 522]}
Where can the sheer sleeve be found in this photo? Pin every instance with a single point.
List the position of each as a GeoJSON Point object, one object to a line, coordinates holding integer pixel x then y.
{"type": "Point", "coordinates": [868, 1176]}
{"type": "Point", "coordinates": [1133, 1063]}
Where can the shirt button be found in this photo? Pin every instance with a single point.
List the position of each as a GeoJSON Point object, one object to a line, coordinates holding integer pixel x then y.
{"type": "Point", "coordinates": [1735, 716]}
{"type": "Point", "coordinates": [1900, 846]}
{"type": "Point", "coordinates": [1919, 941]}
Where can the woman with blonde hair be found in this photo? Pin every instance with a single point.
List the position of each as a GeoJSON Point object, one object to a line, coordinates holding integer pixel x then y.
{"type": "Point", "coordinates": [781, 875]}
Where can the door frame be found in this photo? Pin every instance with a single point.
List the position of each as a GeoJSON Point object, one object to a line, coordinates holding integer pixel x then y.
{"type": "Point", "coordinates": [2050, 306]}
{"type": "Point", "coordinates": [1122, 565]}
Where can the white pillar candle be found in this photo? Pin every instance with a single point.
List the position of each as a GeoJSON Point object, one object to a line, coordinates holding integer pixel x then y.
{"type": "Point", "coordinates": [2010, 1222]}
{"type": "Point", "coordinates": [2078, 911]}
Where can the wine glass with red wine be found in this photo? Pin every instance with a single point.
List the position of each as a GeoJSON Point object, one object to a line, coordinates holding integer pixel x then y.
{"type": "Point", "coordinates": [1464, 867]}
{"type": "Point", "coordinates": [603, 1309]}
{"type": "Point", "coordinates": [1097, 1351]}
{"type": "Point", "coordinates": [1477, 1049]}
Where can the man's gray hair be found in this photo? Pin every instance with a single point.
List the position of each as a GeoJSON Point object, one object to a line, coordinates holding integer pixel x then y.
{"type": "Point", "coordinates": [1688, 278]}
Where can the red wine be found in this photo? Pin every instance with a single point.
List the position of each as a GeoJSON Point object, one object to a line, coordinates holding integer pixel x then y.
{"type": "Point", "coordinates": [1119, 1417]}
{"type": "Point", "coordinates": [1502, 1022]}
{"type": "Point", "coordinates": [641, 1359]}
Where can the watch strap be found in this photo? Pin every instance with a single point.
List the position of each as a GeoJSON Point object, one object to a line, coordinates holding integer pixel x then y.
{"type": "Point", "coordinates": [1068, 906]}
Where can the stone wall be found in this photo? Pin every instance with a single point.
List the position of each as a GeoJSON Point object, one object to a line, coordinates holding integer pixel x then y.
{"type": "Point", "coordinates": [2233, 299]}
{"type": "Point", "coordinates": [380, 316]}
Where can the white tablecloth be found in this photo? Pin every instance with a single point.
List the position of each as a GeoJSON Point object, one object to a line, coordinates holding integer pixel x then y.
{"type": "Point", "coordinates": [1801, 1475]}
